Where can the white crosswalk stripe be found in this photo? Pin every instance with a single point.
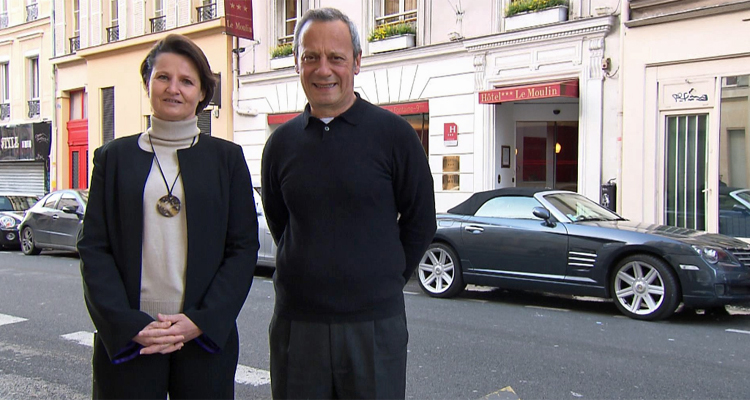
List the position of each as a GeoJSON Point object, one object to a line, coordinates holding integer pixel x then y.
{"type": "Point", "coordinates": [244, 376]}
{"type": "Point", "coordinates": [9, 319]}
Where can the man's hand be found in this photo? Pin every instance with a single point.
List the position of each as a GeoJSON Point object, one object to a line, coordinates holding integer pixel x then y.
{"type": "Point", "coordinates": [168, 334]}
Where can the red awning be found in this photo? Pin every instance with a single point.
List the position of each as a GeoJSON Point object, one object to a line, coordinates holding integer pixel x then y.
{"type": "Point", "coordinates": [400, 109]}
{"type": "Point", "coordinates": [530, 92]}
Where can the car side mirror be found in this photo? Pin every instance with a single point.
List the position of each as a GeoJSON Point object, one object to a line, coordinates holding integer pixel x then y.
{"type": "Point", "coordinates": [543, 213]}
{"type": "Point", "coordinates": [72, 210]}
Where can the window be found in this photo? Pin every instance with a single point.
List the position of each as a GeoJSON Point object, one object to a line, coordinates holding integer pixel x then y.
{"type": "Point", "coordinates": [207, 11]}
{"type": "Point", "coordinates": [113, 31]}
{"type": "Point", "coordinates": [290, 12]}
{"type": "Point", "coordinates": [4, 83]}
{"type": "Point", "coordinates": [78, 100]}
{"type": "Point", "coordinates": [509, 207]}
{"type": "Point", "coordinates": [75, 33]}
{"type": "Point", "coordinates": [159, 22]}
{"type": "Point", "coordinates": [33, 87]}
{"type": "Point", "coordinates": [68, 200]}
{"type": "Point", "coordinates": [4, 91]}
{"type": "Point", "coordinates": [108, 114]}
{"type": "Point", "coordinates": [396, 11]}
{"type": "Point", "coordinates": [32, 10]}
{"type": "Point", "coordinates": [3, 14]}
{"type": "Point", "coordinates": [51, 200]}
{"type": "Point", "coordinates": [686, 181]}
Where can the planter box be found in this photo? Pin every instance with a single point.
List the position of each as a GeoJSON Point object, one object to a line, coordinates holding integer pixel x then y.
{"type": "Point", "coordinates": [535, 18]}
{"type": "Point", "coordinates": [393, 43]}
{"type": "Point", "coordinates": [282, 62]}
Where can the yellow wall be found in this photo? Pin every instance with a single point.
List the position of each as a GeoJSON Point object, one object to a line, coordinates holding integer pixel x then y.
{"type": "Point", "coordinates": [118, 65]}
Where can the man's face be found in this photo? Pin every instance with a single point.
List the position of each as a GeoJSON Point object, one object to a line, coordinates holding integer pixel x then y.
{"type": "Point", "coordinates": [327, 66]}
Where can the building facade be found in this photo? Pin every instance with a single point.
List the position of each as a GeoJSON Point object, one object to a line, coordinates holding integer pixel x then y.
{"type": "Point", "coordinates": [99, 94]}
{"type": "Point", "coordinates": [686, 115]}
{"type": "Point", "coordinates": [497, 100]}
{"type": "Point", "coordinates": [26, 107]}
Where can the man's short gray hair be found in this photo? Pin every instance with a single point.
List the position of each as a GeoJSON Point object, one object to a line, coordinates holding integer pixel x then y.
{"type": "Point", "coordinates": [326, 15]}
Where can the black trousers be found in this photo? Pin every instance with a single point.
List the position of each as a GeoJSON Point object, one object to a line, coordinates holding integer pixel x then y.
{"type": "Point", "coordinates": [188, 373]}
{"type": "Point", "coordinates": [354, 360]}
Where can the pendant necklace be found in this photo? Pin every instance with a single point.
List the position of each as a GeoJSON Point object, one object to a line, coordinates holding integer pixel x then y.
{"type": "Point", "coordinates": [168, 205]}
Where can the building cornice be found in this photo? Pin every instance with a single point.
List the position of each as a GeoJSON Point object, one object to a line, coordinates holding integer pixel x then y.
{"type": "Point", "coordinates": [567, 30]}
{"type": "Point", "coordinates": [690, 14]}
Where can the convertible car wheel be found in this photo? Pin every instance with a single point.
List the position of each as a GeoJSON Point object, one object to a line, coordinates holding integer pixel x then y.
{"type": "Point", "coordinates": [645, 288]}
{"type": "Point", "coordinates": [440, 271]}
{"type": "Point", "coordinates": [27, 242]}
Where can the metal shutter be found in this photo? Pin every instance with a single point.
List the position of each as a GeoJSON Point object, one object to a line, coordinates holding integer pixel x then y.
{"type": "Point", "coordinates": [108, 114]}
{"type": "Point", "coordinates": [204, 122]}
{"type": "Point", "coordinates": [22, 177]}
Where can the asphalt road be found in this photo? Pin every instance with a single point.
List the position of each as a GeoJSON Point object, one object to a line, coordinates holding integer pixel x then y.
{"type": "Point", "coordinates": [484, 344]}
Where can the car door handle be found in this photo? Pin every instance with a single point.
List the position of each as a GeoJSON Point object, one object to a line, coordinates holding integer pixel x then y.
{"type": "Point", "coordinates": [474, 229]}
{"type": "Point", "coordinates": [55, 216]}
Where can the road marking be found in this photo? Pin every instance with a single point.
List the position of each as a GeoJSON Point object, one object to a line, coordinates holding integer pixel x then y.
{"type": "Point", "coordinates": [738, 331]}
{"type": "Point", "coordinates": [251, 376]}
{"type": "Point", "coordinates": [9, 319]}
{"type": "Point", "coordinates": [81, 337]}
{"type": "Point", "coordinates": [245, 375]}
{"type": "Point", "coordinates": [411, 293]}
{"type": "Point", "coordinates": [506, 393]}
{"type": "Point", "coordinates": [548, 308]}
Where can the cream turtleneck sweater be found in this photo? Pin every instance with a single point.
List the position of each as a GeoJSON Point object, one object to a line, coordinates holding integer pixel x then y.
{"type": "Point", "coordinates": [164, 239]}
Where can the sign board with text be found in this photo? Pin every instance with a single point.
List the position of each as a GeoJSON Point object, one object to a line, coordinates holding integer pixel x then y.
{"type": "Point", "coordinates": [239, 18]}
{"type": "Point", "coordinates": [450, 134]}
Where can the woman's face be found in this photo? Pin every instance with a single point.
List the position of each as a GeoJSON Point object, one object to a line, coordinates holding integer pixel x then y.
{"type": "Point", "coordinates": [174, 87]}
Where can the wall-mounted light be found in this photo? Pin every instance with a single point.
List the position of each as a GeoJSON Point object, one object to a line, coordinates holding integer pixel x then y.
{"type": "Point", "coordinates": [557, 148]}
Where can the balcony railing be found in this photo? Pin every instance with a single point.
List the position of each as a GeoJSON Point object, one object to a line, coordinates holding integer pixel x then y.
{"type": "Point", "coordinates": [158, 24]}
{"type": "Point", "coordinates": [4, 111]}
{"type": "Point", "coordinates": [206, 12]}
{"type": "Point", "coordinates": [3, 19]}
{"type": "Point", "coordinates": [33, 108]}
{"type": "Point", "coordinates": [113, 33]}
{"type": "Point", "coordinates": [32, 12]}
{"type": "Point", "coordinates": [75, 43]}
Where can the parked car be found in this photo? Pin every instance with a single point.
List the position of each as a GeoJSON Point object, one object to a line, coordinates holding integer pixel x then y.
{"type": "Point", "coordinates": [561, 242]}
{"type": "Point", "coordinates": [12, 208]}
{"type": "Point", "coordinates": [734, 211]}
{"type": "Point", "coordinates": [54, 222]}
{"type": "Point", "coordinates": [267, 251]}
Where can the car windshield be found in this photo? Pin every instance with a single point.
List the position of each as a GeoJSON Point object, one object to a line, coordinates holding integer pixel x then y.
{"type": "Point", "coordinates": [16, 203]}
{"type": "Point", "coordinates": [579, 208]}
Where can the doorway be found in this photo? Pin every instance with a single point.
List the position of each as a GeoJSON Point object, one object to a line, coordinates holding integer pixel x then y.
{"type": "Point", "coordinates": [547, 154]}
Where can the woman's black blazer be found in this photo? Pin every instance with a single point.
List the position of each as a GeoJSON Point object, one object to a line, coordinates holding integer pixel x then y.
{"type": "Point", "coordinates": [222, 247]}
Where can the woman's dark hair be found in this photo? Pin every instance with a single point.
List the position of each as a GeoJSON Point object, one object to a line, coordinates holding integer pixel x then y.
{"type": "Point", "coordinates": [179, 44]}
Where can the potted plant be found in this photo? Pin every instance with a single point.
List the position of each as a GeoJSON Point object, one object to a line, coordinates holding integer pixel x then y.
{"type": "Point", "coordinates": [526, 13]}
{"type": "Point", "coordinates": [282, 56]}
{"type": "Point", "coordinates": [390, 37]}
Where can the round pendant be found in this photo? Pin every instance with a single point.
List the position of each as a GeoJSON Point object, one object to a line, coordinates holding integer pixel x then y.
{"type": "Point", "coordinates": [168, 205]}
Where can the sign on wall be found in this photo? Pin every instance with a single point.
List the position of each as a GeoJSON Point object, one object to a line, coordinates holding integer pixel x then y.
{"type": "Point", "coordinates": [239, 18]}
{"type": "Point", "coordinates": [450, 134]}
{"type": "Point", "coordinates": [26, 142]}
{"type": "Point", "coordinates": [687, 93]}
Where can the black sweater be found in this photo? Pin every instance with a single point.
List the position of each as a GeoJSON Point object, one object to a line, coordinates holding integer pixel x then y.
{"type": "Point", "coordinates": [352, 209]}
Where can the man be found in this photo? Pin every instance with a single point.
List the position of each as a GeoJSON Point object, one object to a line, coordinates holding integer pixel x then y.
{"type": "Point", "coordinates": [349, 200]}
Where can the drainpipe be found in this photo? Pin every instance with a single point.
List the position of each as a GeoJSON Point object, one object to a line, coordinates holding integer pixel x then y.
{"type": "Point", "coordinates": [624, 17]}
{"type": "Point", "coordinates": [236, 51]}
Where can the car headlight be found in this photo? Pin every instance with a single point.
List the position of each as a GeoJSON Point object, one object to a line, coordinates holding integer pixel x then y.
{"type": "Point", "coordinates": [7, 222]}
{"type": "Point", "coordinates": [717, 256]}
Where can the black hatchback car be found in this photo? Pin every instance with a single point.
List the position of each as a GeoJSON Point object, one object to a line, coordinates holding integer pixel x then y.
{"type": "Point", "coordinates": [561, 242]}
{"type": "Point", "coordinates": [12, 208]}
{"type": "Point", "coordinates": [54, 222]}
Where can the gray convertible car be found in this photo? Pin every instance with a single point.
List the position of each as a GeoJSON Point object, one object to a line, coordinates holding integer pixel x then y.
{"type": "Point", "coordinates": [561, 242]}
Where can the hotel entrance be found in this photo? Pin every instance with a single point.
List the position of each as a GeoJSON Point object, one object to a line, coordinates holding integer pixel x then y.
{"type": "Point", "coordinates": [547, 154]}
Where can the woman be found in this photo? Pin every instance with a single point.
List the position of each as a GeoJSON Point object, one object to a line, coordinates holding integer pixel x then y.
{"type": "Point", "coordinates": [169, 243]}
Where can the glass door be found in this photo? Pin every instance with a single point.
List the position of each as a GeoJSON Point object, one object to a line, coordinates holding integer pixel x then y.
{"type": "Point", "coordinates": [547, 154]}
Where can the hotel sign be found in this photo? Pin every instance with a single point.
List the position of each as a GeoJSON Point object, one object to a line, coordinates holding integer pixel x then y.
{"type": "Point", "coordinates": [529, 92]}
{"type": "Point", "coordinates": [239, 18]}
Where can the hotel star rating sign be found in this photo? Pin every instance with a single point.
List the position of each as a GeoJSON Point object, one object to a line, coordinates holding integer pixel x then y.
{"type": "Point", "coordinates": [239, 16]}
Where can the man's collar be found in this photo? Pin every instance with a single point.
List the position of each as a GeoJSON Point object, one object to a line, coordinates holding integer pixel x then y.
{"type": "Point", "coordinates": [351, 115]}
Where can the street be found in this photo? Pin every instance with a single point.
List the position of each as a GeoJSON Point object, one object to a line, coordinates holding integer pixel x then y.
{"type": "Point", "coordinates": [484, 344]}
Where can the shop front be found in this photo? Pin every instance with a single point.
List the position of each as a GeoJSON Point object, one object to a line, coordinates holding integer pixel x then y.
{"type": "Point", "coordinates": [687, 114]}
{"type": "Point", "coordinates": [24, 158]}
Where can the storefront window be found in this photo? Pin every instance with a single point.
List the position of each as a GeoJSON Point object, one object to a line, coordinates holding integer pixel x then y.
{"type": "Point", "coordinates": [734, 162]}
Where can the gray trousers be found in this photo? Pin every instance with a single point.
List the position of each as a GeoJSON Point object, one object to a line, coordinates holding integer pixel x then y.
{"type": "Point", "coordinates": [352, 360]}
